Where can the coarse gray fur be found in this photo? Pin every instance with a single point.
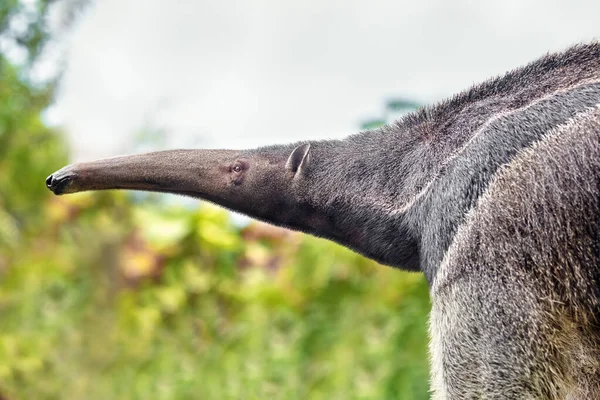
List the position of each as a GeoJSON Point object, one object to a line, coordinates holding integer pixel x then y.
{"type": "Point", "coordinates": [516, 300]}
{"type": "Point", "coordinates": [493, 194]}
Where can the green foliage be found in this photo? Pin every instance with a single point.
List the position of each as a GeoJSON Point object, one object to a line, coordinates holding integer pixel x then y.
{"type": "Point", "coordinates": [137, 301]}
{"type": "Point", "coordinates": [27, 147]}
{"type": "Point", "coordinates": [23, 26]}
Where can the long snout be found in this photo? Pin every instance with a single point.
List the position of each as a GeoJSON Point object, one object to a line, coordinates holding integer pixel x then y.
{"type": "Point", "coordinates": [188, 172]}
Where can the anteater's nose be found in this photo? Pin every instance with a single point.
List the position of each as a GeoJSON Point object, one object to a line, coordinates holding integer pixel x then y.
{"type": "Point", "coordinates": [58, 181]}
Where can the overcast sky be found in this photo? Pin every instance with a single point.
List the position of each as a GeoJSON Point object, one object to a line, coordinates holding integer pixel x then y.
{"type": "Point", "coordinates": [240, 74]}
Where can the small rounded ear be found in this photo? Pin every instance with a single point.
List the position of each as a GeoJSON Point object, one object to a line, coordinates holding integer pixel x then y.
{"type": "Point", "coordinates": [298, 158]}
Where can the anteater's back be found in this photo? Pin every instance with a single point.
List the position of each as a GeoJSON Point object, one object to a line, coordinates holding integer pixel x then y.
{"type": "Point", "coordinates": [516, 311]}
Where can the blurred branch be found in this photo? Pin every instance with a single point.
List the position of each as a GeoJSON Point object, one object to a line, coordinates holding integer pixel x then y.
{"type": "Point", "coordinates": [24, 26]}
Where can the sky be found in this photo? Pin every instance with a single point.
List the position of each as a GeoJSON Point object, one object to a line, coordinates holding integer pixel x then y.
{"type": "Point", "coordinates": [237, 74]}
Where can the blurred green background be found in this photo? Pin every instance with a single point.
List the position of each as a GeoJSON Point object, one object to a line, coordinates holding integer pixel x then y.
{"type": "Point", "coordinates": [106, 297]}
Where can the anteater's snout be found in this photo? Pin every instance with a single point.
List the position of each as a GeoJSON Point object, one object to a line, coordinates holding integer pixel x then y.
{"type": "Point", "coordinates": [59, 181]}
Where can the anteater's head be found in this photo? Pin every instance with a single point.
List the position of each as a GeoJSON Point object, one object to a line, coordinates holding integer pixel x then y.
{"type": "Point", "coordinates": [307, 187]}
{"type": "Point", "coordinates": [261, 183]}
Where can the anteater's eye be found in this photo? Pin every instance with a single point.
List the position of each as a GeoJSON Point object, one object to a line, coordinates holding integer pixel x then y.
{"type": "Point", "coordinates": [237, 169]}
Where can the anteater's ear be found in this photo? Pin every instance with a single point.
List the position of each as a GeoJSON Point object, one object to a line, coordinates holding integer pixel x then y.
{"type": "Point", "coordinates": [298, 158]}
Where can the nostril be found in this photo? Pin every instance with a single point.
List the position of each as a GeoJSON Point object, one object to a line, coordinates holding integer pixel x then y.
{"type": "Point", "coordinates": [49, 181]}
